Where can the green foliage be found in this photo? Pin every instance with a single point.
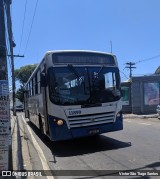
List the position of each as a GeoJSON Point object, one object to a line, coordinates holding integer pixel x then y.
{"type": "Point", "coordinates": [158, 70]}
{"type": "Point", "coordinates": [24, 73]}
{"type": "Point", "coordinates": [19, 94]}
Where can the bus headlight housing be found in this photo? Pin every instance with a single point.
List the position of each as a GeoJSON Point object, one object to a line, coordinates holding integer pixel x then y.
{"type": "Point", "coordinates": [119, 114]}
{"type": "Point", "coordinates": [60, 122]}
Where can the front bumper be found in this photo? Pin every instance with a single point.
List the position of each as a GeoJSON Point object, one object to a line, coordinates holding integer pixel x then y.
{"type": "Point", "coordinates": [58, 133]}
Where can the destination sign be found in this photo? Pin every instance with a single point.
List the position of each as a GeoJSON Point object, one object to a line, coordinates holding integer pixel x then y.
{"type": "Point", "coordinates": [83, 58]}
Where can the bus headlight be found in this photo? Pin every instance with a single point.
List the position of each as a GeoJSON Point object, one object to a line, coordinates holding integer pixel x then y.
{"type": "Point", "coordinates": [119, 114]}
{"type": "Point", "coordinates": [59, 122]}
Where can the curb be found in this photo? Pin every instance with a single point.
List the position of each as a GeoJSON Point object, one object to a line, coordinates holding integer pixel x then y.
{"type": "Point", "coordinates": [133, 116]}
{"type": "Point", "coordinates": [14, 141]}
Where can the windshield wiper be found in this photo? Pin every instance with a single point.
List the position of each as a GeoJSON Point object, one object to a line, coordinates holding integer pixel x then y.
{"type": "Point", "coordinates": [100, 70]}
{"type": "Point", "coordinates": [97, 74]}
{"type": "Point", "coordinates": [74, 71]}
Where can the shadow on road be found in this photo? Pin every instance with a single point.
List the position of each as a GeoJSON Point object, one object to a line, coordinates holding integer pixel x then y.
{"type": "Point", "coordinates": [86, 145]}
{"type": "Point", "coordinates": [90, 145]}
{"type": "Point", "coordinates": [80, 146]}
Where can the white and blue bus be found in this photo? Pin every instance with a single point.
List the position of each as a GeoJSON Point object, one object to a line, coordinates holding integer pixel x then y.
{"type": "Point", "coordinates": [74, 94]}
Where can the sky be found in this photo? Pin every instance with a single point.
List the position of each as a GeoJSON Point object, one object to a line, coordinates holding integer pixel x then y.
{"type": "Point", "coordinates": [133, 27]}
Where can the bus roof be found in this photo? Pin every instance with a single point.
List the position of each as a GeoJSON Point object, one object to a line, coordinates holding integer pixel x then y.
{"type": "Point", "coordinates": [70, 51]}
{"type": "Point", "coordinates": [87, 51]}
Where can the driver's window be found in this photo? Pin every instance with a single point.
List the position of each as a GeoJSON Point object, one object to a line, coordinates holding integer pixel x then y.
{"type": "Point", "coordinates": [109, 80]}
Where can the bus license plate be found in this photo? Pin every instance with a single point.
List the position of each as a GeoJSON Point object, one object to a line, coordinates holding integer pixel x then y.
{"type": "Point", "coordinates": [94, 131]}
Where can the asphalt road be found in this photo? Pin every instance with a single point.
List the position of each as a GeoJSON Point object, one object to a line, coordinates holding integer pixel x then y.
{"type": "Point", "coordinates": [137, 147]}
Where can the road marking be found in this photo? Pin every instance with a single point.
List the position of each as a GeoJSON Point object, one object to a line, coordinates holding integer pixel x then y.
{"type": "Point", "coordinates": [39, 150]}
{"type": "Point", "coordinates": [143, 123]}
{"type": "Point", "coordinates": [128, 121]}
{"type": "Point", "coordinates": [147, 124]}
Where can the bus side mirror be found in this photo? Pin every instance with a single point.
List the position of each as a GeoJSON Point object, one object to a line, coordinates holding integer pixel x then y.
{"type": "Point", "coordinates": [43, 80]}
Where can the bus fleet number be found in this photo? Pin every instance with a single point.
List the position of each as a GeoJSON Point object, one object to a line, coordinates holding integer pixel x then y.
{"type": "Point", "coordinates": [74, 112]}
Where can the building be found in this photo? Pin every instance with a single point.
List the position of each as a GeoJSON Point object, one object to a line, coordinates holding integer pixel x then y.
{"type": "Point", "coordinates": [142, 94]}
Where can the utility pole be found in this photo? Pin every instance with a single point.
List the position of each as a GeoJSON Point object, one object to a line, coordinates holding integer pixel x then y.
{"type": "Point", "coordinates": [130, 66]}
{"type": "Point", "coordinates": [5, 148]}
{"type": "Point", "coordinates": [3, 57]}
{"type": "Point", "coordinates": [111, 45]}
{"type": "Point", "coordinates": [9, 24]}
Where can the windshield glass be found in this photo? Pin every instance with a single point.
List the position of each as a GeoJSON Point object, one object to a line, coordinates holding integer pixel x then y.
{"type": "Point", "coordinates": [83, 85]}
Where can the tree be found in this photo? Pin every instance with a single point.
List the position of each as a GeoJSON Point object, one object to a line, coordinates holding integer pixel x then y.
{"type": "Point", "coordinates": [157, 71]}
{"type": "Point", "coordinates": [20, 94]}
{"type": "Point", "coordinates": [23, 75]}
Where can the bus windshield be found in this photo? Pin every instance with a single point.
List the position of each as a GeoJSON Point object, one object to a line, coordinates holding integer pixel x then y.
{"type": "Point", "coordinates": [72, 85]}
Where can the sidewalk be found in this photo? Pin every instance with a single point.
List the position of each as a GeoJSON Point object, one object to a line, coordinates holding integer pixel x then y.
{"type": "Point", "coordinates": [14, 141]}
{"type": "Point", "coordinates": [132, 116]}
{"type": "Point", "coordinates": [20, 150]}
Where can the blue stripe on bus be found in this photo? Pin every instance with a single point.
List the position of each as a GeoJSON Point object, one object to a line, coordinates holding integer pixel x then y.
{"type": "Point", "coordinates": [58, 133]}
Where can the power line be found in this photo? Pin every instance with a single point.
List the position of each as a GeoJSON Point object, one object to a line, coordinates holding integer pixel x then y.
{"type": "Point", "coordinates": [12, 44]}
{"type": "Point", "coordinates": [124, 74]}
{"type": "Point", "coordinates": [131, 64]}
{"type": "Point", "coordinates": [7, 42]}
{"type": "Point", "coordinates": [7, 45]}
{"type": "Point", "coordinates": [31, 26]}
{"type": "Point", "coordinates": [24, 17]}
{"type": "Point", "coordinates": [151, 58]}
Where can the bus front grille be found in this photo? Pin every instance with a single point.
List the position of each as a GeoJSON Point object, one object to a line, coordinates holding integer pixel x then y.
{"type": "Point", "coordinates": [91, 119]}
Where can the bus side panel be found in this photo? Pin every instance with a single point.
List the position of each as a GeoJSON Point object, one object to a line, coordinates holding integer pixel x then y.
{"type": "Point", "coordinates": [26, 105]}
{"type": "Point", "coordinates": [44, 110]}
{"type": "Point", "coordinates": [32, 109]}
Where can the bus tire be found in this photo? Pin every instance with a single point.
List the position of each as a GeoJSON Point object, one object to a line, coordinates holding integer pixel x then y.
{"type": "Point", "coordinates": [41, 124]}
{"type": "Point", "coordinates": [28, 114]}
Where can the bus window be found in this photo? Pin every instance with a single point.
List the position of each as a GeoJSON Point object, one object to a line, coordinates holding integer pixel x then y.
{"type": "Point", "coordinates": [30, 88]}
{"type": "Point", "coordinates": [36, 84]}
{"type": "Point", "coordinates": [110, 80]}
